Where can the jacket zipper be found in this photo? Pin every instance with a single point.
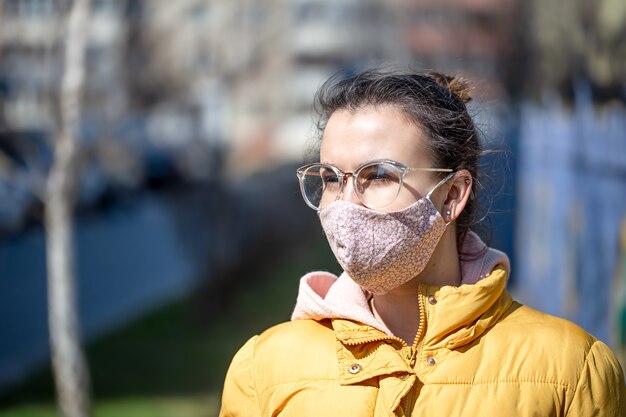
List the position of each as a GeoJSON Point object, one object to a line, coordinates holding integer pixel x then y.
{"type": "Point", "coordinates": [418, 336]}
{"type": "Point", "coordinates": [375, 339]}
{"type": "Point", "coordinates": [416, 351]}
{"type": "Point", "coordinates": [408, 405]}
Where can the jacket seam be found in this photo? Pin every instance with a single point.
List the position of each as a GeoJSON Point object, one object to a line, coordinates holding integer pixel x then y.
{"type": "Point", "coordinates": [356, 330]}
{"type": "Point", "coordinates": [580, 376]}
{"type": "Point", "coordinates": [334, 380]}
{"type": "Point", "coordinates": [368, 333]}
{"type": "Point", "coordinates": [506, 381]}
{"type": "Point", "coordinates": [256, 393]}
{"type": "Point", "coordinates": [503, 381]}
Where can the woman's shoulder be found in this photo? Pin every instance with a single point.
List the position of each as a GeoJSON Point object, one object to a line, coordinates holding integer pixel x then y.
{"type": "Point", "coordinates": [293, 351]}
{"type": "Point", "coordinates": [299, 327]}
{"type": "Point", "coordinates": [558, 349]}
{"type": "Point", "coordinates": [535, 352]}
{"type": "Point", "coordinates": [296, 334]}
{"type": "Point", "coordinates": [288, 336]}
{"type": "Point", "coordinates": [528, 323]}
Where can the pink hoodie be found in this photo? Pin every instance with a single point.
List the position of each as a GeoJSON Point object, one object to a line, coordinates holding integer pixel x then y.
{"type": "Point", "coordinates": [323, 295]}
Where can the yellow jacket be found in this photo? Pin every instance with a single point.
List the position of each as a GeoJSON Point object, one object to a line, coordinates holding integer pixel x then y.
{"type": "Point", "coordinates": [478, 353]}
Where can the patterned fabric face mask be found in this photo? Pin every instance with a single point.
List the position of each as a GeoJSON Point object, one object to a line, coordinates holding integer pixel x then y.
{"type": "Point", "coordinates": [381, 251]}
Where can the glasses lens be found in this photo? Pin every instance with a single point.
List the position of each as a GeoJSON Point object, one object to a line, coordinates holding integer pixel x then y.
{"type": "Point", "coordinates": [378, 184]}
{"type": "Point", "coordinates": [320, 184]}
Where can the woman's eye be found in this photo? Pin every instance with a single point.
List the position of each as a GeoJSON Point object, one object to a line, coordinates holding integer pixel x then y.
{"type": "Point", "coordinates": [377, 176]}
{"type": "Point", "coordinates": [330, 182]}
{"type": "Point", "coordinates": [381, 177]}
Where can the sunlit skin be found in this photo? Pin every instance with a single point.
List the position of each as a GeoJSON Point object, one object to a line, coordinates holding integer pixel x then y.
{"type": "Point", "coordinates": [371, 133]}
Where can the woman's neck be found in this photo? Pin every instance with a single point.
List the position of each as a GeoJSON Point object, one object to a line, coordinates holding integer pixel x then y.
{"type": "Point", "coordinates": [399, 308]}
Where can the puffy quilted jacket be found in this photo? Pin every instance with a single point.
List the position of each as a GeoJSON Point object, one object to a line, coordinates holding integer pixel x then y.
{"type": "Point", "coordinates": [478, 353]}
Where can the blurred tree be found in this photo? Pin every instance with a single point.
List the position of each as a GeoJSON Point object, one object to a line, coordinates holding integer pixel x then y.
{"type": "Point", "coordinates": [572, 40]}
{"type": "Point", "coordinates": [70, 370]}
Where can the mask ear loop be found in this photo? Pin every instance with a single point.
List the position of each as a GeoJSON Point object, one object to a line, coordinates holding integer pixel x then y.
{"type": "Point", "coordinates": [440, 183]}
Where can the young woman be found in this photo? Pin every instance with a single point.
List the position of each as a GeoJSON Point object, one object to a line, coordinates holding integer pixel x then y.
{"type": "Point", "coordinates": [420, 322]}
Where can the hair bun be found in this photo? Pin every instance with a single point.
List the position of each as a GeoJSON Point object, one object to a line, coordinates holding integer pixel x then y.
{"type": "Point", "coordinates": [457, 85]}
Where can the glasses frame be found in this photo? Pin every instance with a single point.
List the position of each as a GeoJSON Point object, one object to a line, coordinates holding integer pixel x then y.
{"type": "Point", "coordinates": [300, 172]}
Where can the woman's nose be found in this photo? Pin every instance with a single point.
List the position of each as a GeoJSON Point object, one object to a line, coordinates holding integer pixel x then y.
{"type": "Point", "coordinates": [349, 193]}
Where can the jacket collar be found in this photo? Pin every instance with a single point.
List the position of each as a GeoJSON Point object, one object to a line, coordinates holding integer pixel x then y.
{"type": "Point", "coordinates": [460, 315]}
{"type": "Point", "coordinates": [373, 352]}
{"type": "Point", "coordinates": [464, 313]}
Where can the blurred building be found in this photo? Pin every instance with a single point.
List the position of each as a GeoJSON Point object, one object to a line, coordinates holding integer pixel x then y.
{"type": "Point", "coordinates": [473, 37]}
{"type": "Point", "coordinates": [240, 75]}
{"type": "Point", "coordinates": [570, 42]}
{"type": "Point", "coordinates": [31, 62]}
{"type": "Point", "coordinates": [251, 68]}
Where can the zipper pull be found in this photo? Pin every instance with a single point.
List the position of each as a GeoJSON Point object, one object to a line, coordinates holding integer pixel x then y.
{"type": "Point", "coordinates": [412, 355]}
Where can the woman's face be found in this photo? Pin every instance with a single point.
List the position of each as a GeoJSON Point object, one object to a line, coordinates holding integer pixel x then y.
{"type": "Point", "coordinates": [353, 138]}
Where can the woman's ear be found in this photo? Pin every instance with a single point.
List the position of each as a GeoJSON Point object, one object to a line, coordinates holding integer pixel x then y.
{"type": "Point", "coordinates": [459, 193]}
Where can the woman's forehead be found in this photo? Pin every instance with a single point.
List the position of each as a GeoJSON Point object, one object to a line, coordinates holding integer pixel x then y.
{"type": "Point", "coordinates": [352, 138]}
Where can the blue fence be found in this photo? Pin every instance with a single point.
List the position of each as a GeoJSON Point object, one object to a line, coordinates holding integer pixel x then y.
{"type": "Point", "coordinates": [571, 203]}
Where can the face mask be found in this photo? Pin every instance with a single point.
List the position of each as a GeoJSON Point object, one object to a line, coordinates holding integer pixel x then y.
{"type": "Point", "coordinates": [381, 251]}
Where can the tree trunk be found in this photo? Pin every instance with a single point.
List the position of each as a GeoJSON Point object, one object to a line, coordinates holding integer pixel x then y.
{"type": "Point", "coordinates": [69, 367]}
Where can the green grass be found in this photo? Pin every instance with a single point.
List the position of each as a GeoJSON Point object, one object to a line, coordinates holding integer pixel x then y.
{"type": "Point", "coordinates": [185, 406]}
{"type": "Point", "coordinates": [171, 363]}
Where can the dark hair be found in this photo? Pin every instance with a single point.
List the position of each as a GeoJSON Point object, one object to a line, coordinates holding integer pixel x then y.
{"type": "Point", "coordinates": [434, 102]}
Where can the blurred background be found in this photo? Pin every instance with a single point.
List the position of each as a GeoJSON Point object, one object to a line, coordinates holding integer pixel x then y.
{"type": "Point", "coordinates": [190, 231]}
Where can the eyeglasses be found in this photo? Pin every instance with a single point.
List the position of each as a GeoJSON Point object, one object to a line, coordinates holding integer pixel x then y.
{"type": "Point", "coordinates": [376, 183]}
